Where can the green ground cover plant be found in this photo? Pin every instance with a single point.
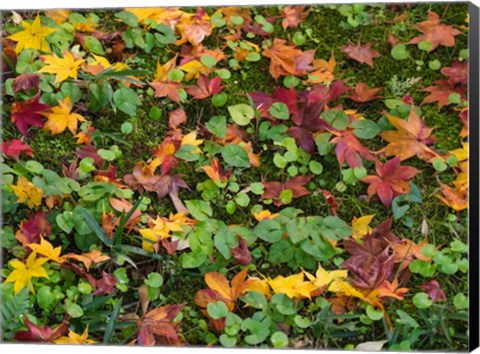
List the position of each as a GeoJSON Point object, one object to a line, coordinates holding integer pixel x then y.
{"type": "Point", "coordinates": [281, 177]}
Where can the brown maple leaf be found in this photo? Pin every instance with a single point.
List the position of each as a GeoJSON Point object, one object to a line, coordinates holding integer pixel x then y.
{"type": "Point", "coordinates": [363, 94]}
{"type": "Point", "coordinates": [407, 250]}
{"type": "Point", "coordinates": [157, 326]}
{"type": "Point", "coordinates": [411, 138]}
{"type": "Point", "coordinates": [361, 53]}
{"type": "Point", "coordinates": [272, 190]}
{"type": "Point", "coordinates": [293, 16]}
{"type": "Point", "coordinates": [167, 89]}
{"type": "Point", "coordinates": [390, 180]}
{"type": "Point", "coordinates": [26, 82]}
{"type": "Point", "coordinates": [435, 32]}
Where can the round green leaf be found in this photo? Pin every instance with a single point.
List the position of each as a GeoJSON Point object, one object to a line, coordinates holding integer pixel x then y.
{"type": "Point", "coordinates": [126, 128]}
{"type": "Point", "coordinates": [106, 154]}
{"type": "Point", "coordinates": [253, 56]}
{"type": "Point", "coordinates": [74, 310]}
{"type": "Point", "coordinates": [399, 52]}
{"type": "Point", "coordinates": [154, 280]}
{"type": "Point", "coordinates": [373, 313]}
{"type": "Point", "coordinates": [235, 156]}
{"type": "Point", "coordinates": [241, 113]}
{"type": "Point", "coordinates": [279, 339]}
{"type": "Point", "coordinates": [315, 167]}
{"type": "Point", "coordinates": [242, 199]}
{"type": "Point", "coordinates": [208, 60]}
{"type": "Point", "coordinates": [217, 310]}
{"type": "Point", "coordinates": [460, 301]}
{"type": "Point", "coordinates": [422, 300]}
{"type": "Point", "coordinates": [279, 110]}
{"type": "Point", "coordinates": [220, 99]}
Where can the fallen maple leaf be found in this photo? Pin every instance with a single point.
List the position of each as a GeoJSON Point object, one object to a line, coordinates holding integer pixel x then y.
{"type": "Point", "coordinates": [294, 286]}
{"type": "Point", "coordinates": [272, 190]}
{"type": "Point", "coordinates": [33, 227]}
{"type": "Point", "coordinates": [293, 16]}
{"type": "Point", "coordinates": [433, 289]}
{"type": "Point", "coordinates": [27, 192]}
{"type": "Point", "coordinates": [167, 89]}
{"type": "Point", "coordinates": [176, 118]}
{"type": "Point", "coordinates": [36, 333]}
{"type": "Point", "coordinates": [387, 289]}
{"type": "Point", "coordinates": [363, 94]}
{"type": "Point", "coordinates": [14, 148]}
{"type": "Point", "coordinates": [407, 250]}
{"type": "Point", "coordinates": [390, 180]}
{"type": "Point", "coordinates": [63, 68]}
{"type": "Point", "coordinates": [360, 226]}
{"type": "Point", "coordinates": [28, 113]}
{"type": "Point", "coordinates": [61, 118]}
{"type": "Point", "coordinates": [361, 53]}
{"type": "Point", "coordinates": [441, 91]}
{"type": "Point", "coordinates": [283, 58]}
{"type": "Point", "coordinates": [455, 198]}
{"type": "Point", "coordinates": [411, 138]}
{"type": "Point", "coordinates": [194, 27]}
{"type": "Point", "coordinates": [159, 324]}
{"type": "Point", "coordinates": [46, 249]}
{"type": "Point", "coordinates": [457, 73]}
{"type": "Point", "coordinates": [323, 71]}
{"type": "Point", "coordinates": [216, 172]}
{"type": "Point", "coordinates": [349, 149]}
{"type": "Point", "coordinates": [241, 252]}
{"type": "Point", "coordinates": [88, 258]}
{"type": "Point", "coordinates": [75, 338]}
{"type": "Point", "coordinates": [205, 87]}
{"type": "Point", "coordinates": [435, 32]}
{"type": "Point", "coordinates": [33, 36]}
{"type": "Point", "coordinates": [23, 273]}
{"type": "Point", "coordinates": [26, 82]}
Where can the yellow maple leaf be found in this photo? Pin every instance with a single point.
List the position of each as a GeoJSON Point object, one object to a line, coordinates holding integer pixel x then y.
{"type": "Point", "coordinates": [27, 192]}
{"type": "Point", "coordinates": [264, 214]}
{"type": "Point", "coordinates": [59, 16]}
{"type": "Point", "coordinates": [33, 36]}
{"type": "Point", "coordinates": [61, 118]}
{"type": "Point", "coordinates": [161, 74]}
{"type": "Point", "coordinates": [75, 338]}
{"type": "Point", "coordinates": [293, 286]}
{"type": "Point", "coordinates": [360, 226]}
{"type": "Point", "coordinates": [63, 68]}
{"type": "Point", "coordinates": [176, 222]}
{"type": "Point", "coordinates": [23, 273]}
{"type": "Point", "coordinates": [191, 139]}
{"type": "Point", "coordinates": [327, 279]}
{"type": "Point", "coordinates": [46, 249]}
{"type": "Point", "coordinates": [323, 71]}
{"type": "Point", "coordinates": [194, 69]}
{"type": "Point", "coordinates": [87, 25]}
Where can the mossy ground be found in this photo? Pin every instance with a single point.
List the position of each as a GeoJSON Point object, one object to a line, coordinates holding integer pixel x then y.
{"type": "Point", "coordinates": [326, 37]}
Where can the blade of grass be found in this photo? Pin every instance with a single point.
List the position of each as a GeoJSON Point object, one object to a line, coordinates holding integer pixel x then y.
{"type": "Point", "coordinates": [111, 323]}
{"type": "Point", "coordinates": [93, 224]}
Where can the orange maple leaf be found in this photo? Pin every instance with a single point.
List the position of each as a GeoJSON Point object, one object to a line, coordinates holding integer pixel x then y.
{"type": "Point", "coordinates": [411, 138]}
{"type": "Point", "coordinates": [282, 58]}
{"type": "Point", "coordinates": [435, 32]}
{"type": "Point", "coordinates": [407, 250]}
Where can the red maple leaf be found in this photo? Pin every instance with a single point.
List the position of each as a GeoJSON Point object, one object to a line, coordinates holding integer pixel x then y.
{"type": "Point", "coordinates": [441, 92]}
{"type": "Point", "coordinates": [433, 289]}
{"type": "Point", "coordinates": [205, 87]}
{"type": "Point", "coordinates": [361, 53]}
{"type": "Point", "coordinates": [241, 252]}
{"type": "Point", "coordinates": [457, 73]}
{"type": "Point", "coordinates": [390, 180]}
{"type": "Point", "coordinates": [176, 118]}
{"type": "Point", "coordinates": [27, 114]}
{"type": "Point", "coordinates": [14, 148]}
{"type": "Point", "coordinates": [41, 334]}
{"type": "Point", "coordinates": [363, 94]}
{"type": "Point", "coordinates": [435, 32]}
{"type": "Point", "coordinates": [33, 227]}
{"type": "Point", "coordinates": [349, 149]}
